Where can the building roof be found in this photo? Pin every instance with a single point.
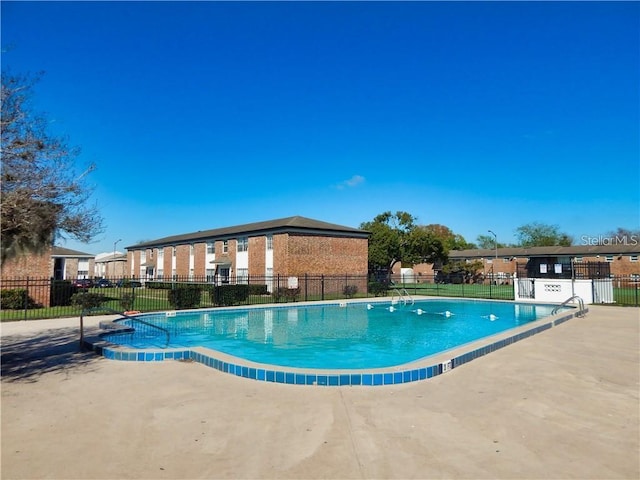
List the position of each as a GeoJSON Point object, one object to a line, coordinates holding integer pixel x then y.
{"type": "Point", "coordinates": [294, 224]}
{"type": "Point", "coordinates": [110, 257]}
{"type": "Point", "coordinates": [573, 251]}
{"type": "Point", "coordinates": [67, 252]}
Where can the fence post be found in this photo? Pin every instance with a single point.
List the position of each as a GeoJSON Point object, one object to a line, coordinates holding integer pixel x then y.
{"type": "Point", "coordinates": [82, 331]}
{"type": "Point", "coordinates": [26, 299]}
{"type": "Point", "coordinates": [322, 285]}
{"type": "Point", "coordinates": [306, 287]}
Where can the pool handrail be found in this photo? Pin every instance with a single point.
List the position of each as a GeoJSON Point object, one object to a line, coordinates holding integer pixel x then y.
{"type": "Point", "coordinates": [581, 310]}
{"type": "Point", "coordinates": [122, 314]}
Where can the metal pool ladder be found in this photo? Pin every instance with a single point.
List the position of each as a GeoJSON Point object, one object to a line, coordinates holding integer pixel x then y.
{"type": "Point", "coordinates": [581, 311]}
{"type": "Point", "coordinates": [403, 296]}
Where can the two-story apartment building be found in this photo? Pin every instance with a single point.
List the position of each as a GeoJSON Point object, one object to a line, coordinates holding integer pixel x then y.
{"type": "Point", "coordinates": [291, 246]}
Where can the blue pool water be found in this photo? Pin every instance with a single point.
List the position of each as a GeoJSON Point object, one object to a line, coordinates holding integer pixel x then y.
{"type": "Point", "coordinates": [351, 335]}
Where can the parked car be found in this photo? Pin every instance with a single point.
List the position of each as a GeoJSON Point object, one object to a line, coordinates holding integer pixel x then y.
{"type": "Point", "coordinates": [83, 283]}
{"type": "Point", "coordinates": [104, 283]}
{"type": "Point", "coordinates": [125, 282]}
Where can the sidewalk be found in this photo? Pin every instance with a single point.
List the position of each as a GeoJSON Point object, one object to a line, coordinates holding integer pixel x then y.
{"type": "Point", "coordinates": [559, 405]}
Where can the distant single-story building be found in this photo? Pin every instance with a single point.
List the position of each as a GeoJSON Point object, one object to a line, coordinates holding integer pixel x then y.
{"type": "Point", "coordinates": [549, 262]}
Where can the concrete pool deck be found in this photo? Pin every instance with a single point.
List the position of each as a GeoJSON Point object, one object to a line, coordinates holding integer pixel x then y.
{"type": "Point", "coordinates": [561, 404]}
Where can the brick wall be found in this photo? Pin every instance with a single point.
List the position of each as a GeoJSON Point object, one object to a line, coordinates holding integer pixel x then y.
{"type": "Point", "coordinates": [324, 255]}
{"type": "Point", "coordinates": [71, 268]}
{"type": "Point", "coordinates": [33, 267]}
{"type": "Point", "coordinates": [182, 260]}
{"type": "Point", "coordinates": [199, 259]}
{"type": "Point", "coordinates": [257, 255]}
{"type": "Point", "coordinates": [621, 264]}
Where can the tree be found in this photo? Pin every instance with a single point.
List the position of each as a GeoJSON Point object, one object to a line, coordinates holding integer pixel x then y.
{"type": "Point", "coordinates": [620, 236]}
{"type": "Point", "coordinates": [489, 241]}
{"type": "Point", "coordinates": [459, 271]}
{"type": "Point", "coordinates": [396, 238]}
{"type": "Point", "coordinates": [42, 198]}
{"type": "Point", "coordinates": [542, 235]}
{"type": "Point", "coordinates": [450, 240]}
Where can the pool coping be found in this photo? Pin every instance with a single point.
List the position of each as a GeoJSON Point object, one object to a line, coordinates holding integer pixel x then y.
{"type": "Point", "coordinates": [417, 370]}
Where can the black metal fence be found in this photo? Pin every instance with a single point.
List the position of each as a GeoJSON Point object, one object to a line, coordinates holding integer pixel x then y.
{"type": "Point", "coordinates": [31, 298]}
{"type": "Point", "coordinates": [549, 268]}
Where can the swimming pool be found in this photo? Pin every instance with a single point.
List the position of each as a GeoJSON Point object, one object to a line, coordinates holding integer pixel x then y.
{"type": "Point", "coordinates": [344, 336]}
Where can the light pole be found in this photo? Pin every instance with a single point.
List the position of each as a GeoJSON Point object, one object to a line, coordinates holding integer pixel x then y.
{"type": "Point", "coordinates": [495, 241]}
{"type": "Point", "coordinates": [114, 255]}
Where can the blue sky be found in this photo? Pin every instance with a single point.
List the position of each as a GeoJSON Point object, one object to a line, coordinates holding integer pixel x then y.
{"type": "Point", "coordinates": [474, 115]}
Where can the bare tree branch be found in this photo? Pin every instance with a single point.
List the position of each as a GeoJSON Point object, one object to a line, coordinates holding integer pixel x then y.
{"type": "Point", "coordinates": [42, 198]}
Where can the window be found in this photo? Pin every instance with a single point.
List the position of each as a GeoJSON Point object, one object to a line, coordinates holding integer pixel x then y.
{"type": "Point", "coordinates": [633, 258]}
{"type": "Point", "coordinates": [160, 253]}
{"type": "Point", "coordinates": [211, 247]}
{"type": "Point", "coordinates": [192, 249]}
{"type": "Point", "coordinates": [578, 259]}
{"type": "Point", "coordinates": [608, 258]}
{"type": "Point", "coordinates": [243, 244]}
{"type": "Point", "coordinates": [225, 246]}
{"type": "Point", "coordinates": [242, 275]}
{"type": "Point", "coordinates": [174, 251]}
{"type": "Point", "coordinates": [143, 257]}
{"type": "Point", "coordinates": [160, 274]}
{"type": "Point", "coordinates": [505, 260]}
{"type": "Point", "coordinates": [210, 273]}
{"type": "Point", "coordinates": [269, 242]}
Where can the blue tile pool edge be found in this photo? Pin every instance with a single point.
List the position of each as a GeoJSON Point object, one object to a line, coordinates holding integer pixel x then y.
{"type": "Point", "coordinates": [412, 372]}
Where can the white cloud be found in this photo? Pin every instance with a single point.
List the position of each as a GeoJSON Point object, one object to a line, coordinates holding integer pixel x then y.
{"type": "Point", "coordinates": [352, 182]}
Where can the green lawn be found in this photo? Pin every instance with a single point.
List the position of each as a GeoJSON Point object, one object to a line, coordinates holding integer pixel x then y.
{"type": "Point", "coordinates": [148, 300]}
{"type": "Point", "coordinates": [500, 292]}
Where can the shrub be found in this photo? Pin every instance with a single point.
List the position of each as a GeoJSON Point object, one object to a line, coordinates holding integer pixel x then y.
{"type": "Point", "coordinates": [160, 285]}
{"type": "Point", "coordinates": [349, 290]}
{"type": "Point", "coordinates": [224, 295]}
{"type": "Point", "coordinates": [167, 285]}
{"type": "Point", "coordinates": [126, 301]}
{"type": "Point", "coordinates": [61, 292]}
{"type": "Point", "coordinates": [185, 296]}
{"type": "Point", "coordinates": [287, 294]}
{"type": "Point", "coordinates": [258, 290]}
{"type": "Point", "coordinates": [16, 299]}
{"type": "Point", "coordinates": [378, 288]}
{"type": "Point", "coordinates": [87, 300]}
